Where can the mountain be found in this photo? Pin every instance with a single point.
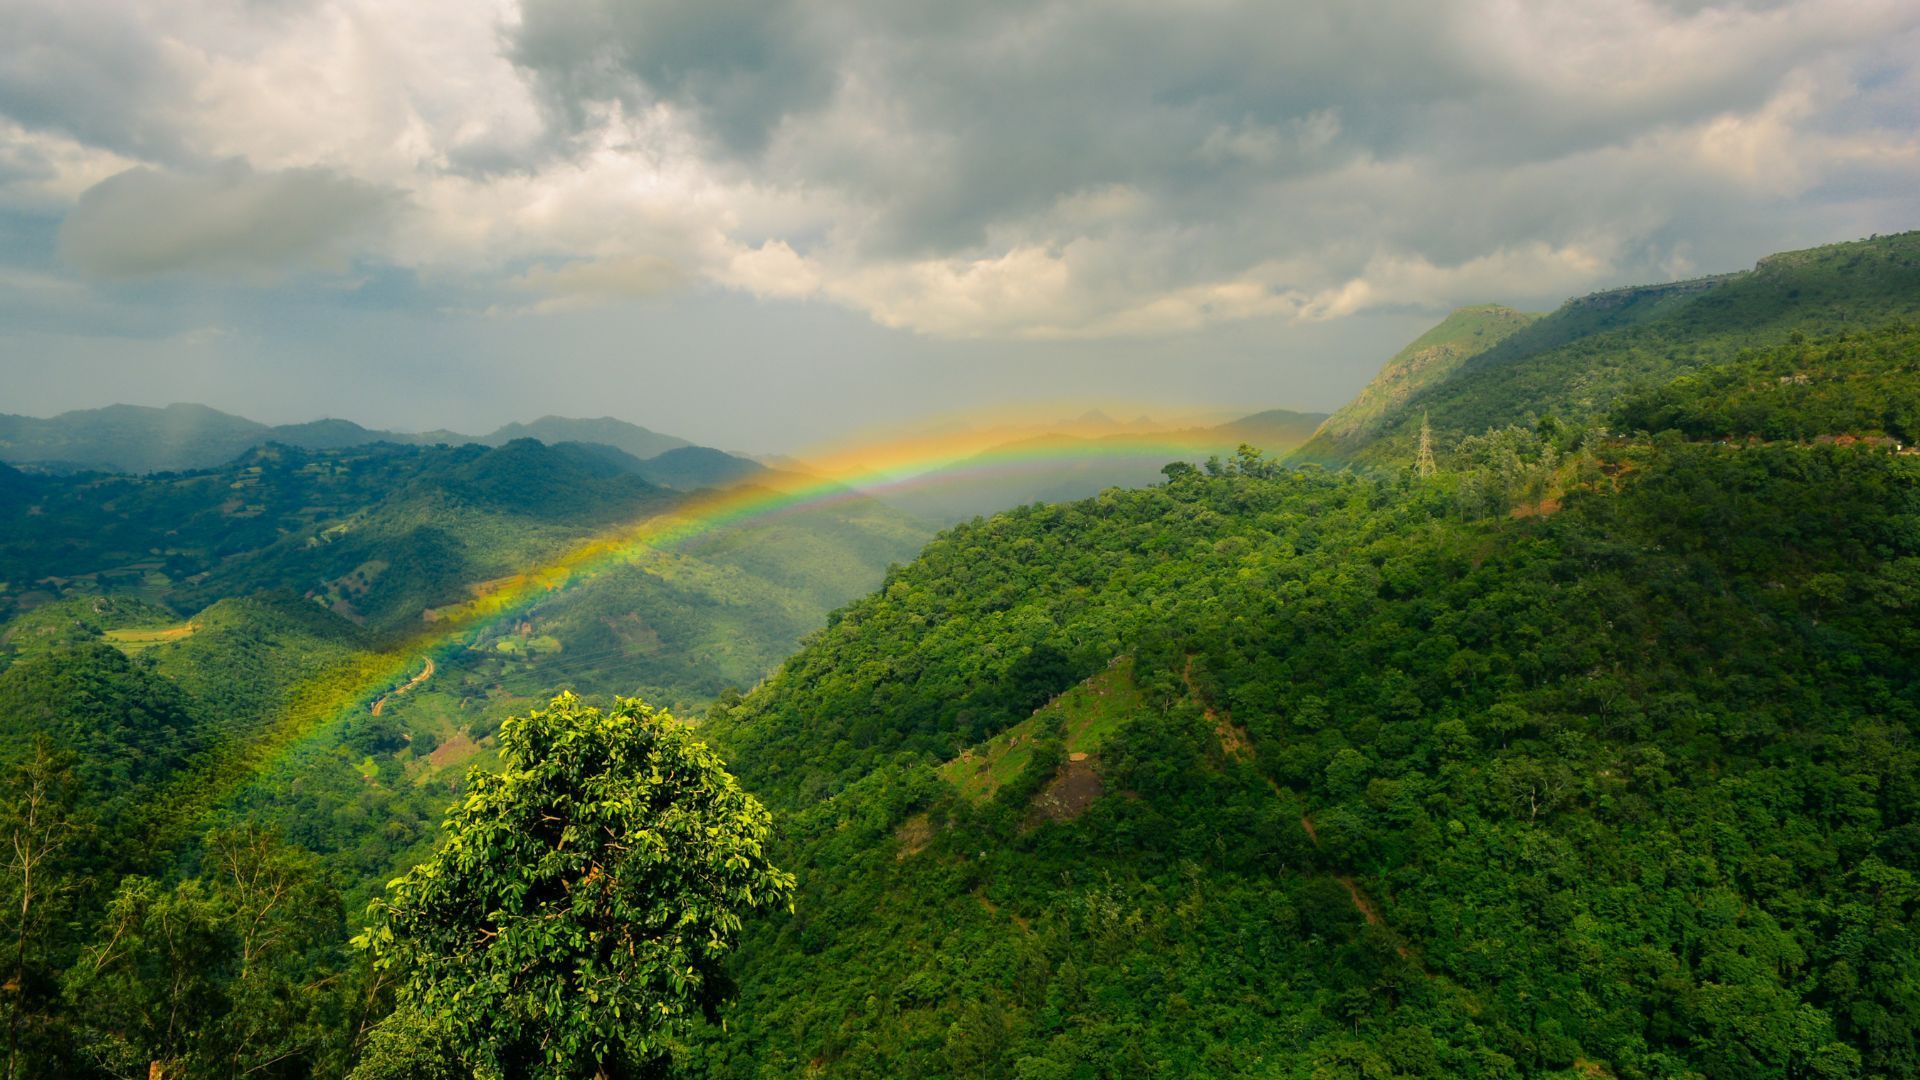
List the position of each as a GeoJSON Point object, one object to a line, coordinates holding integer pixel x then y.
{"type": "Point", "coordinates": [177, 438]}
{"type": "Point", "coordinates": [338, 434]}
{"type": "Point", "coordinates": [619, 434]}
{"type": "Point", "coordinates": [383, 535]}
{"type": "Point", "coordinates": [1254, 772]}
{"type": "Point", "coordinates": [1577, 362]}
{"type": "Point", "coordinates": [1588, 751]}
{"type": "Point", "coordinates": [1275, 431]}
{"type": "Point", "coordinates": [689, 468]}
{"type": "Point", "coordinates": [1428, 361]}
{"type": "Point", "coordinates": [142, 439]}
{"type": "Point", "coordinates": [129, 438]}
{"type": "Point", "coordinates": [1531, 766]}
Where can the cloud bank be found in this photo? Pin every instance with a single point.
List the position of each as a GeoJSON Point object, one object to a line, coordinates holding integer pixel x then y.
{"type": "Point", "coordinates": [1043, 171]}
{"type": "Point", "coordinates": [230, 220]}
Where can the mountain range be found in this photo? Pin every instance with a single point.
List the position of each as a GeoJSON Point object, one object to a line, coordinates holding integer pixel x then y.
{"type": "Point", "coordinates": [1550, 710]}
{"type": "Point", "coordinates": [180, 437]}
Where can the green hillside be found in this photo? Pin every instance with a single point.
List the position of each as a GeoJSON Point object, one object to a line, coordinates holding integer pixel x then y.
{"type": "Point", "coordinates": [1576, 363]}
{"type": "Point", "coordinates": [1624, 789]}
{"type": "Point", "coordinates": [1427, 362]}
{"type": "Point", "coordinates": [1533, 767]}
{"type": "Point", "coordinates": [380, 533]}
{"type": "Point", "coordinates": [1588, 752]}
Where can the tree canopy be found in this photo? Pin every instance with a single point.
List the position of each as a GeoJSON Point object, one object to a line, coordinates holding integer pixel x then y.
{"type": "Point", "coordinates": [578, 913]}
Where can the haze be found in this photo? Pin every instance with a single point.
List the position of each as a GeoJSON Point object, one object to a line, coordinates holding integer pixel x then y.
{"type": "Point", "coordinates": [761, 226]}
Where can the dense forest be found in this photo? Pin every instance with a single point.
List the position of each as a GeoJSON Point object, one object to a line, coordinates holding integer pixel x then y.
{"type": "Point", "coordinates": [1404, 791]}
{"type": "Point", "coordinates": [1565, 727]}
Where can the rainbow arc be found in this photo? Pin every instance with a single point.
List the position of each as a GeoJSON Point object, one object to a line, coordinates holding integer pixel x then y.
{"type": "Point", "coordinates": [837, 477]}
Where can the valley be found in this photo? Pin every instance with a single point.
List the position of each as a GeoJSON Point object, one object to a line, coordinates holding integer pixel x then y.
{"type": "Point", "coordinates": [1251, 749]}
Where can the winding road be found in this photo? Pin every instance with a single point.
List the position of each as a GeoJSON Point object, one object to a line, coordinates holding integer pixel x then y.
{"type": "Point", "coordinates": [410, 684]}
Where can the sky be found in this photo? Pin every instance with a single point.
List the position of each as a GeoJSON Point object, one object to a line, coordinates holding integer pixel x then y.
{"type": "Point", "coordinates": [761, 225]}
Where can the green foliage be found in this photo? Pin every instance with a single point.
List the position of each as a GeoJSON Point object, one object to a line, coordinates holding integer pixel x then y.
{"type": "Point", "coordinates": [1863, 384]}
{"type": "Point", "coordinates": [233, 972]}
{"type": "Point", "coordinates": [45, 835]}
{"type": "Point", "coordinates": [128, 728]}
{"type": "Point", "coordinates": [1424, 363]}
{"type": "Point", "coordinates": [1601, 785]}
{"type": "Point", "coordinates": [578, 912]}
{"type": "Point", "coordinates": [408, 1045]}
{"type": "Point", "coordinates": [1579, 362]}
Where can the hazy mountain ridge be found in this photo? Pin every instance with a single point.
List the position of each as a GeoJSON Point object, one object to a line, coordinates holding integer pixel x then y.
{"type": "Point", "coordinates": [182, 437]}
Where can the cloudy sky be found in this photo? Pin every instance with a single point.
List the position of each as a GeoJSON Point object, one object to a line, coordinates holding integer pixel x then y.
{"type": "Point", "coordinates": [758, 224]}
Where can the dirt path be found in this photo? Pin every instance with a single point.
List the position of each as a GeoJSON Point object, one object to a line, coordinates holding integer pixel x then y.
{"type": "Point", "coordinates": [381, 704]}
{"type": "Point", "coordinates": [1364, 904]}
{"type": "Point", "coordinates": [1234, 742]}
{"type": "Point", "coordinates": [1233, 738]}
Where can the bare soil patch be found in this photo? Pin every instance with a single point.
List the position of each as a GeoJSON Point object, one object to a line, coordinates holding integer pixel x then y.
{"type": "Point", "coordinates": [1069, 793]}
{"type": "Point", "coordinates": [914, 834]}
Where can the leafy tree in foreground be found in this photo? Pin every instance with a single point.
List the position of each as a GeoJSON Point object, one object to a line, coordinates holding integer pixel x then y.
{"type": "Point", "coordinates": [234, 972]}
{"type": "Point", "coordinates": [584, 899]}
{"type": "Point", "coordinates": [40, 822]}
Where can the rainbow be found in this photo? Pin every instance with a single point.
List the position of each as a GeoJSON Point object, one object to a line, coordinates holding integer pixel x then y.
{"type": "Point", "coordinates": [835, 476]}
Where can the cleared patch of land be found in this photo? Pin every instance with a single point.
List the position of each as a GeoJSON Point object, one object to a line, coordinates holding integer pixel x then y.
{"type": "Point", "coordinates": [137, 641]}
{"type": "Point", "coordinates": [1090, 712]}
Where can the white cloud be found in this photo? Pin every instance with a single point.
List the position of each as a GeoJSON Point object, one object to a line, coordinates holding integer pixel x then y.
{"type": "Point", "coordinates": [1066, 170]}
{"type": "Point", "coordinates": [48, 171]}
{"type": "Point", "coordinates": [774, 270]}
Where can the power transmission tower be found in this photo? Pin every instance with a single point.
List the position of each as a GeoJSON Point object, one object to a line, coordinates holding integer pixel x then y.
{"type": "Point", "coordinates": [1423, 460]}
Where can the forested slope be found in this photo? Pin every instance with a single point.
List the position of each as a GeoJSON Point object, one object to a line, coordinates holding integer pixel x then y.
{"type": "Point", "coordinates": [1413, 786]}
{"type": "Point", "coordinates": [1426, 362]}
{"type": "Point", "coordinates": [1578, 362]}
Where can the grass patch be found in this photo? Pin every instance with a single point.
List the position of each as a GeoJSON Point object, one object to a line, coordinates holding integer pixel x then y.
{"type": "Point", "coordinates": [1090, 712]}
{"type": "Point", "coordinates": [135, 641]}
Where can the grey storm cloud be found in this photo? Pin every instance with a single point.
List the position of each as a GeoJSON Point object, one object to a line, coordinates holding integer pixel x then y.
{"type": "Point", "coordinates": [1207, 201]}
{"type": "Point", "coordinates": [229, 221]}
{"type": "Point", "coordinates": [957, 124]}
{"type": "Point", "coordinates": [77, 68]}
